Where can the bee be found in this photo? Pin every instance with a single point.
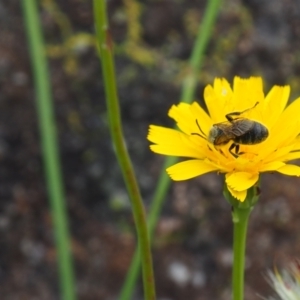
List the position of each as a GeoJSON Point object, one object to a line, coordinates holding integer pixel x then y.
{"type": "Point", "coordinates": [239, 130]}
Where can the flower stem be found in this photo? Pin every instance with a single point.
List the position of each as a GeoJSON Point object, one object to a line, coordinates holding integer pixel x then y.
{"type": "Point", "coordinates": [187, 96]}
{"type": "Point", "coordinates": [50, 148]}
{"type": "Point", "coordinates": [240, 223]}
{"type": "Point", "coordinates": [105, 47]}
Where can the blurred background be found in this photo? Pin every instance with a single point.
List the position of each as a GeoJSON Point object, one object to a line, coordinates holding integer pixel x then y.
{"type": "Point", "coordinates": [153, 41]}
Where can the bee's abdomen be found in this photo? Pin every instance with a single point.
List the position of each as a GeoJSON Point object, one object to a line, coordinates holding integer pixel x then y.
{"type": "Point", "coordinates": [257, 134]}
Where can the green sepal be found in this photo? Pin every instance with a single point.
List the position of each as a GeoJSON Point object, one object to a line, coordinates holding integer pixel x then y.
{"type": "Point", "coordinates": [250, 201]}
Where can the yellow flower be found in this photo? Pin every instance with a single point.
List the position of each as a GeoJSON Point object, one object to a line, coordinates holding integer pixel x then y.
{"type": "Point", "coordinates": [243, 163]}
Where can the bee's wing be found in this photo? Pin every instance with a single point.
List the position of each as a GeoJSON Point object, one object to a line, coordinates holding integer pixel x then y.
{"type": "Point", "coordinates": [240, 127]}
{"type": "Point", "coordinates": [227, 134]}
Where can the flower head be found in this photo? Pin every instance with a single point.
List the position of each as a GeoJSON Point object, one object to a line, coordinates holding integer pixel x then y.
{"type": "Point", "coordinates": [286, 283]}
{"type": "Point", "coordinates": [243, 134]}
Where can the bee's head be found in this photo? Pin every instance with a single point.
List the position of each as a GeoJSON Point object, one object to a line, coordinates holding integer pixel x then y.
{"type": "Point", "coordinates": [214, 133]}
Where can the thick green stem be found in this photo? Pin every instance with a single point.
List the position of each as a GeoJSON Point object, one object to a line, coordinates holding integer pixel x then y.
{"type": "Point", "coordinates": [50, 148]}
{"type": "Point", "coordinates": [187, 95]}
{"type": "Point", "coordinates": [240, 223]}
{"type": "Point", "coordinates": [240, 216]}
{"type": "Point", "coordinates": [105, 47]}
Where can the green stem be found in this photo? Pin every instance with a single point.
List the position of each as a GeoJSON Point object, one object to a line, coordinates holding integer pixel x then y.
{"type": "Point", "coordinates": [50, 148]}
{"type": "Point", "coordinates": [105, 46]}
{"type": "Point", "coordinates": [240, 223]}
{"type": "Point", "coordinates": [196, 59]}
{"type": "Point", "coordinates": [187, 95]}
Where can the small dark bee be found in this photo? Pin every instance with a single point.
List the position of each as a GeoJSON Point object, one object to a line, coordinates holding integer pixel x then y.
{"type": "Point", "coordinates": [239, 130]}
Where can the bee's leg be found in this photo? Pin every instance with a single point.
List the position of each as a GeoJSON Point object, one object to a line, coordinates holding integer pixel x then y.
{"type": "Point", "coordinates": [230, 117]}
{"type": "Point", "coordinates": [236, 148]}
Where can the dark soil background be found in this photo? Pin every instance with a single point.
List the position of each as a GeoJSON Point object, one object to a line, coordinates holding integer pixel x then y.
{"type": "Point", "coordinates": [192, 246]}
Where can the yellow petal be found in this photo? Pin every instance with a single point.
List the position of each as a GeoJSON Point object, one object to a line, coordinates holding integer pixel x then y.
{"type": "Point", "coordinates": [271, 153]}
{"type": "Point", "coordinates": [272, 166]}
{"type": "Point", "coordinates": [274, 104]}
{"type": "Point", "coordinates": [287, 127]}
{"type": "Point", "coordinates": [184, 118]}
{"type": "Point", "coordinates": [246, 92]}
{"type": "Point", "coordinates": [222, 89]}
{"type": "Point", "coordinates": [292, 110]}
{"type": "Point", "coordinates": [204, 121]}
{"type": "Point", "coordinates": [188, 115]}
{"type": "Point", "coordinates": [291, 170]}
{"type": "Point", "coordinates": [175, 143]}
{"type": "Point", "coordinates": [291, 156]}
{"type": "Point", "coordinates": [173, 151]}
{"type": "Point", "coordinates": [217, 98]}
{"type": "Point", "coordinates": [189, 169]}
{"type": "Point", "coordinates": [241, 196]}
{"type": "Point", "coordinates": [240, 181]}
{"type": "Point", "coordinates": [159, 135]}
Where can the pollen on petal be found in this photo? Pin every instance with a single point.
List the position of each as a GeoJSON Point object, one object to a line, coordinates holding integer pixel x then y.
{"type": "Point", "coordinates": [189, 169]}
{"type": "Point", "coordinates": [240, 181]}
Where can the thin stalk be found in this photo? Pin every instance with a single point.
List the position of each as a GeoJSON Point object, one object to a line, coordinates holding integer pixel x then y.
{"type": "Point", "coordinates": [104, 43]}
{"type": "Point", "coordinates": [240, 225]}
{"type": "Point", "coordinates": [50, 148]}
{"type": "Point", "coordinates": [196, 60]}
{"type": "Point", "coordinates": [187, 95]}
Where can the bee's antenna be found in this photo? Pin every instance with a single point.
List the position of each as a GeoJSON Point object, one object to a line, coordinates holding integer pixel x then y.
{"type": "Point", "coordinates": [249, 108]}
{"type": "Point", "coordinates": [230, 116]}
{"type": "Point", "coordinates": [203, 134]}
